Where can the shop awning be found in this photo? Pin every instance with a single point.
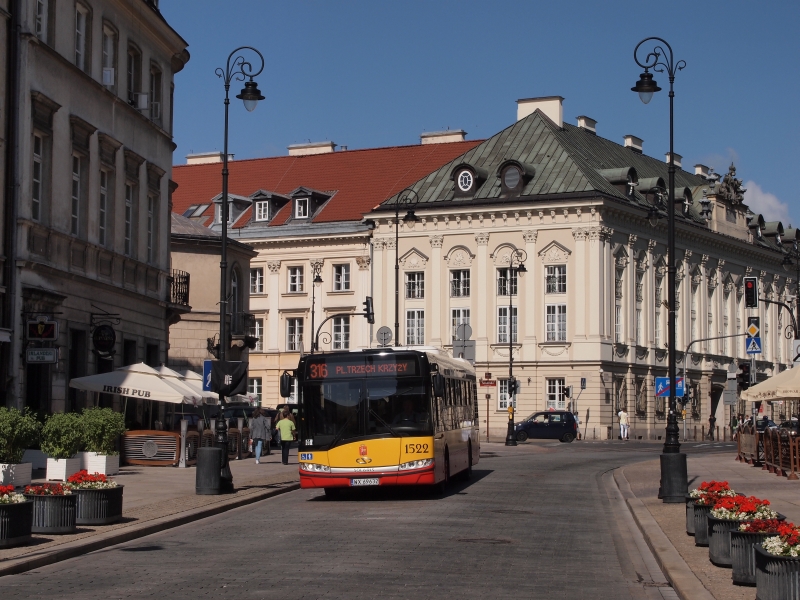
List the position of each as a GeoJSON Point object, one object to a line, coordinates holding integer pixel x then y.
{"type": "Point", "coordinates": [783, 386]}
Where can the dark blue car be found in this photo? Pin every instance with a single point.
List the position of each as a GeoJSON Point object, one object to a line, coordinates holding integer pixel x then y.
{"type": "Point", "coordinates": [548, 425]}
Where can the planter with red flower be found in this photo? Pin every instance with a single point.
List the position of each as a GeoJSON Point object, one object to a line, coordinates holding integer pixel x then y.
{"type": "Point", "coordinates": [702, 501]}
{"type": "Point", "coordinates": [743, 542]}
{"type": "Point", "coordinates": [99, 498]}
{"type": "Point", "coordinates": [728, 514]}
{"type": "Point", "coordinates": [778, 565]}
{"type": "Point", "coordinates": [16, 517]}
{"type": "Point", "coordinates": [54, 508]}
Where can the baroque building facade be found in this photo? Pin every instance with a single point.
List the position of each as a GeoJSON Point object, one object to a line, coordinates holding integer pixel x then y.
{"type": "Point", "coordinates": [91, 84]}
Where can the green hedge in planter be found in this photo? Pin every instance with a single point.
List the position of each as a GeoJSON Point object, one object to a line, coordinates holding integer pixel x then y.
{"type": "Point", "coordinates": [18, 430]}
{"type": "Point", "coordinates": [62, 435]}
{"type": "Point", "coordinates": [101, 428]}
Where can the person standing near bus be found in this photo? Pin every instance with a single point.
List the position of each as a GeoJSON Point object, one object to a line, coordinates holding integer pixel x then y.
{"type": "Point", "coordinates": [259, 432]}
{"type": "Point", "coordinates": [287, 430]}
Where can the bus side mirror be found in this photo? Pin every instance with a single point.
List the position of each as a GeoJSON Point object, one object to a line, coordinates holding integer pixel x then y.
{"type": "Point", "coordinates": [438, 385]}
{"type": "Point", "coordinates": [286, 385]}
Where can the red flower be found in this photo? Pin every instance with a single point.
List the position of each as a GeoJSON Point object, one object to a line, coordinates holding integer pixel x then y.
{"type": "Point", "coordinates": [6, 489]}
{"type": "Point", "coordinates": [84, 477]}
{"type": "Point", "coordinates": [47, 489]}
{"type": "Point", "coordinates": [762, 526]}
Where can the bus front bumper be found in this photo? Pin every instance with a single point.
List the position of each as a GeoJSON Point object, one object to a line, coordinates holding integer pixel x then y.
{"type": "Point", "coordinates": [424, 476]}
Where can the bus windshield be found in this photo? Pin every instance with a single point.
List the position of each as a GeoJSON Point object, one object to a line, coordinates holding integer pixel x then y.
{"type": "Point", "coordinates": [343, 410]}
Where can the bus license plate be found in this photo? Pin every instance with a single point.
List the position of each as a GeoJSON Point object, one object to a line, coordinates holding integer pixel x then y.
{"type": "Point", "coordinates": [357, 482]}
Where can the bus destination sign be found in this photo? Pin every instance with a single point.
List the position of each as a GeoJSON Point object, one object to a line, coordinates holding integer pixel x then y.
{"type": "Point", "coordinates": [369, 366]}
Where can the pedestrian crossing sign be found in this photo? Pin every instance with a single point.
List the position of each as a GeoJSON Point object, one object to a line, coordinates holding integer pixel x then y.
{"type": "Point", "coordinates": [754, 345]}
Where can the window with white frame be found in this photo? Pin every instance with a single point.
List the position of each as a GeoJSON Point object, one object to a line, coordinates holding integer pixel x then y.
{"type": "Point", "coordinates": [458, 316]}
{"type": "Point", "coordinates": [102, 218]}
{"type": "Point", "coordinates": [254, 388]}
{"type": "Point", "coordinates": [503, 395]}
{"type": "Point", "coordinates": [134, 75]}
{"type": "Point", "coordinates": [502, 324]}
{"type": "Point", "coordinates": [218, 213]}
{"type": "Point", "coordinates": [75, 211]}
{"type": "Point", "coordinates": [151, 209]}
{"type": "Point", "coordinates": [415, 327]}
{"type": "Point", "coordinates": [459, 283]}
{"type": "Point", "coordinates": [618, 324]}
{"type": "Point", "coordinates": [555, 394]}
{"type": "Point", "coordinates": [556, 323]}
{"type": "Point", "coordinates": [295, 280]}
{"type": "Point", "coordinates": [341, 278]}
{"type": "Point", "coordinates": [129, 195]}
{"type": "Point", "coordinates": [257, 332]}
{"type": "Point", "coordinates": [506, 282]}
{"type": "Point", "coordinates": [415, 285]}
{"type": "Point", "coordinates": [81, 17]}
{"type": "Point", "coordinates": [155, 93]}
{"type": "Point", "coordinates": [257, 280]}
{"type": "Point", "coordinates": [262, 211]}
{"type": "Point", "coordinates": [42, 7]}
{"type": "Point", "coordinates": [37, 191]}
{"type": "Point", "coordinates": [341, 333]}
{"type": "Point", "coordinates": [109, 56]}
{"type": "Point", "coordinates": [301, 208]}
{"type": "Point", "coordinates": [556, 279]}
{"type": "Point", "coordinates": [294, 334]}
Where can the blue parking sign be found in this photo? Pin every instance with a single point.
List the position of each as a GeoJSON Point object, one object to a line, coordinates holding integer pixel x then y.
{"type": "Point", "coordinates": [662, 387]}
{"type": "Point", "coordinates": [207, 375]}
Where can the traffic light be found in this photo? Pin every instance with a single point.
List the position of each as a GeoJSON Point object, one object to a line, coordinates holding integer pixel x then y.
{"type": "Point", "coordinates": [368, 311]}
{"type": "Point", "coordinates": [744, 377]}
{"type": "Point", "coordinates": [751, 292]}
{"type": "Point", "coordinates": [568, 391]}
{"type": "Point", "coordinates": [512, 385]}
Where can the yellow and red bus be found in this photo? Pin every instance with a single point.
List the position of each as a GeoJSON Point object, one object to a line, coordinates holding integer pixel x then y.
{"type": "Point", "coordinates": [388, 416]}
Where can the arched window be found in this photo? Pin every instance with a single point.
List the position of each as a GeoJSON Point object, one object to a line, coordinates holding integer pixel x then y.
{"type": "Point", "coordinates": [234, 307]}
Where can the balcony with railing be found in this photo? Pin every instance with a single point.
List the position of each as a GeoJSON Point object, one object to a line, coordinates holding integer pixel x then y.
{"type": "Point", "coordinates": [179, 288]}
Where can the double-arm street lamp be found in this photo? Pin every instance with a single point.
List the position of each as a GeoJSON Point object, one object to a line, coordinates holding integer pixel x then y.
{"type": "Point", "coordinates": [674, 482]}
{"type": "Point", "coordinates": [237, 68]}
{"type": "Point", "coordinates": [409, 198]}
{"type": "Point", "coordinates": [791, 262]}
{"type": "Point", "coordinates": [516, 268]}
{"type": "Point", "coordinates": [316, 269]}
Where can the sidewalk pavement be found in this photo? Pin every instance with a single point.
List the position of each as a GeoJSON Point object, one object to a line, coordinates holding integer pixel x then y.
{"type": "Point", "coordinates": [155, 499]}
{"type": "Point", "coordinates": [664, 525]}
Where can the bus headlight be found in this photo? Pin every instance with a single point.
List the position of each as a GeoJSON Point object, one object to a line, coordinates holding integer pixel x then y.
{"type": "Point", "coordinates": [417, 464]}
{"type": "Point", "coordinates": [315, 468]}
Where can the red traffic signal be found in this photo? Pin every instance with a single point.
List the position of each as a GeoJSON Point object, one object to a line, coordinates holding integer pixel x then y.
{"type": "Point", "coordinates": [750, 292]}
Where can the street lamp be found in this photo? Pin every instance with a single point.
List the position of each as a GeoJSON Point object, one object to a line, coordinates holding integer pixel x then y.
{"type": "Point", "coordinates": [316, 269]}
{"type": "Point", "coordinates": [407, 197]}
{"type": "Point", "coordinates": [674, 480]}
{"type": "Point", "coordinates": [792, 261]}
{"type": "Point", "coordinates": [236, 68]}
{"type": "Point", "coordinates": [518, 258]}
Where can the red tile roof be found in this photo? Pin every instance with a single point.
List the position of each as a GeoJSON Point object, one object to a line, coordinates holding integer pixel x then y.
{"type": "Point", "coordinates": [362, 179]}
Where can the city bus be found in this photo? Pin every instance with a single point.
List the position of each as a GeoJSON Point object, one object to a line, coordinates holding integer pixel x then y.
{"type": "Point", "coordinates": [387, 416]}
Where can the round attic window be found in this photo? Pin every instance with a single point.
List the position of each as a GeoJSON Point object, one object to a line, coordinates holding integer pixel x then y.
{"type": "Point", "coordinates": [465, 180]}
{"type": "Point", "coordinates": [511, 177]}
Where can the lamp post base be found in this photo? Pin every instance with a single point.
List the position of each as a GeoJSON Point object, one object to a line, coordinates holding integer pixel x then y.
{"type": "Point", "coordinates": [674, 478]}
{"type": "Point", "coordinates": [511, 439]}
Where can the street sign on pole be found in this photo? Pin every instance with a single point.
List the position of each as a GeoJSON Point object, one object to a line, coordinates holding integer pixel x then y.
{"type": "Point", "coordinates": [754, 345]}
{"type": "Point", "coordinates": [583, 383]}
{"type": "Point", "coordinates": [729, 397]}
{"type": "Point", "coordinates": [207, 375]}
{"type": "Point", "coordinates": [753, 326]}
{"type": "Point", "coordinates": [662, 387]}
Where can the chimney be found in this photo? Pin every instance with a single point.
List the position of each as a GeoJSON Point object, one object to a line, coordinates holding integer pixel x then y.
{"type": "Point", "coordinates": [677, 159]}
{"type": "Point", "coordinates": [204, 158]}
{"type": "Point", "coordinates": [588, 124]}
{"type": "Point", "coordinates": [312, 148]}
{"type": "Point", "coordinates": [442, 137]}
{"type": "Point", "coordinates": [634, 143]}
{"type": "Point", "coordinates": [701, 170]}
{"type": "Point", "coordinates": [549, 105]}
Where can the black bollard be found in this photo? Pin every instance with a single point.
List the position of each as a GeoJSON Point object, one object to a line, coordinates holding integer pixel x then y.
{"type": "Point", "coordinates": [209, 467]}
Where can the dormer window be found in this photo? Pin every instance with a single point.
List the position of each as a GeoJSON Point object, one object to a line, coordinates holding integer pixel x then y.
{"type": "Point", "coordinates": [465, 180]}
{"type": "Point", "coordinates": [511, 177]}
{"type": "Point", "coordinates": [262, 211]}
{"type": "Point", "coordinates": [514, 176]}
{"type": "Point", "coordinates": [301, 208]}
{"type": "Point", "coordinates": [218, 214]}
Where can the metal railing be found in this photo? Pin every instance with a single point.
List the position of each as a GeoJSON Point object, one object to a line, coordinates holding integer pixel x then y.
{"type": "Point", "coordinates": [242, 323]}
{"type": "Point", "coordinates": [179, 288]}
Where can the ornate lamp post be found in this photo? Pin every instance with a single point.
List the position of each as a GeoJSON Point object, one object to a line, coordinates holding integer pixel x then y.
{"type": "Point", "coordinates": [316, 269]}
{"type": "Point", "coordinates": [674, 482]}
{"type": "Point", "coordinates": [409, 198]}
{"type": "Point", "coordinates": [236, 68]}
{"type": "Point", "coordinates": [792, 262]}
{"type": "Point", "coordinates": [518, 258]}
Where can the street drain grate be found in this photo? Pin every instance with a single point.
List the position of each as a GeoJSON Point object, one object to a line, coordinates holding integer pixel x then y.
{"type": "Point", "coordinates": [485, 541]}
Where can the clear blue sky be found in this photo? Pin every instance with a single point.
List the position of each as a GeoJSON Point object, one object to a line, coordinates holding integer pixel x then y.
{"type": "Point", "coordinates": [366, 73]}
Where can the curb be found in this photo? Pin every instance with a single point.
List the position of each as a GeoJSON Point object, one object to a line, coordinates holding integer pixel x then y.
{"type": "Point", "coordinates": [118, 536]}
{"type": "Point", "coordinates": [680, 576]}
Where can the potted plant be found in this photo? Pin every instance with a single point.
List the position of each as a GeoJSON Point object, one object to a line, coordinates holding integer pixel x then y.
{"type": "Point", "coordinates": [778, 565]}
{"type": "Point", "coordinates": [704, 499]}
{"type": "Point", "coordinates": [99, 498]}
{"type": "Point", "coordinates": [53, 507]}
{"type": "Point", "coordinates": [61, 440]}
{"type": "Point", "coordinates": [16, 517]}
{"type": "Point", "coordinates": [101, 428]}
{"type": "Point", "coordinates": [18, 430]}
{"type": "Point", "coordinates": [743, 541]}
{"type": "Point", "coordinates": [727, 514]}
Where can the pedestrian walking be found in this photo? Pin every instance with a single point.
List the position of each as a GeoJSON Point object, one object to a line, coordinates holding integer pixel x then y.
{"type": "Point", "coordinates": [287, 431]}
{"type": "Point", "coordinates": [712, 420]}
{"type": "Point", "coordinates": [578, 425]}
{"type": "Point", "coordinates": [259, 433]}
{"type": "Point", "coordinates": [623, 424]}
